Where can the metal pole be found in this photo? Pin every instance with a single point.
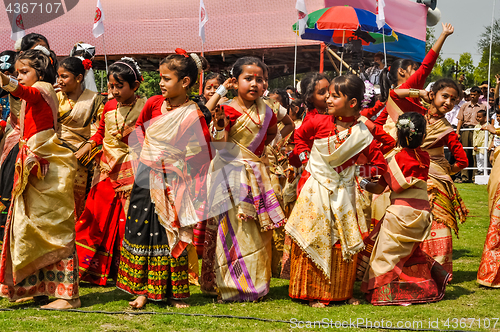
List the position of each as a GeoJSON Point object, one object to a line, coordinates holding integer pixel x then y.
{"type": "Point", "coordinates": [295, 59]}
{"type": "Point", "coordinates": [105, 55]}
{"type": "Point", "coordinates": [486, 134]}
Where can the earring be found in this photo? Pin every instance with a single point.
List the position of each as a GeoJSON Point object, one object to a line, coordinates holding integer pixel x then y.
{"type": "Point", "coordinates": [77, 81]}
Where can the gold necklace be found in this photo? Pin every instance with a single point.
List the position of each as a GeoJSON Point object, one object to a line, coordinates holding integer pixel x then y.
{"type": "Point", "coordinates": [259, 123]}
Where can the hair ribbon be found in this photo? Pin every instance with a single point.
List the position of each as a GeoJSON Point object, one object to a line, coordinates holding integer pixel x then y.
{"type": "Point", "coordinates": [4, 65]}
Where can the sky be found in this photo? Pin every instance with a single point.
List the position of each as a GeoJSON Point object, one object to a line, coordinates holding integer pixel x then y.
{"type": "Point", "coordinates": [469, 18]}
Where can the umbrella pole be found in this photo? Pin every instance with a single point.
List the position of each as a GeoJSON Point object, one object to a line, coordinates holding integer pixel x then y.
{"type": "Point", "coordinates": [201, 74]}
{"type": "Point", "coordinates": [385, 53]}
{"type": "Point", "coordinates": [342, 55]}
{"type": "Point", "coordinates": [295, 62]}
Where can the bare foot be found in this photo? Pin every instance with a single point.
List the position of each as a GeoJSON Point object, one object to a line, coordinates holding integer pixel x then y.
{"type": "Point", "coordinates": [25, 299]}
{"type": "Point", "coordinates": [316, 304]}
{"type": "Point", "coordinates": [179, 304]}
{"type": "Point", "coordinates": [139, 302]}
{"type": "Point", "coordinates": [353, 301]}
{"type": "Point", "coordinates": [61, 304]}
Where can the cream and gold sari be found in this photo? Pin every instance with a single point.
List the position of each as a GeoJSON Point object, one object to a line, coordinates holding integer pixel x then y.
{"type": "Point", "coordinates": [74, 129]}
{"type": "Point", "coordinates": [41, 228]}
{"type": "Point", "coordinates": [246, 210]}
{"type": "Point", "coordinates": [447, 207]}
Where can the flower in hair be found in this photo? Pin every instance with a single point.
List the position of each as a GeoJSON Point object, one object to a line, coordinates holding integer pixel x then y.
{"type": "Point", "coordinates": [87, 64]}
{"type": "Point", "coordinates": [42, 49]}
{"type": "Point", "coordinates": [180, 51]}
{"type": "Point", "coordinates": [403, 123]}
{"type": "Point", "coordinates": [369, 93]}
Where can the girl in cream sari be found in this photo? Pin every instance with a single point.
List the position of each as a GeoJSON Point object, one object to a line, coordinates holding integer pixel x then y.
{"type": "Point", "coordinates": [77, 108]}
{"type": "Point", "coordinates": [161, 215]}
{"type": "Point", "coordinates": [242, 201]}
{"type": "Point", "coordinates": [489, 269]}
{"type": "Point", "coordinates": [101, 226]}
{"type": "Point", "coordinates": [41, 214]}
{"type": "Point", "coordinates": [447, 207]}
{"type": "Point", "coordinates": [399, 271]}
{"type": "Point", "coordinates": [324, 222]}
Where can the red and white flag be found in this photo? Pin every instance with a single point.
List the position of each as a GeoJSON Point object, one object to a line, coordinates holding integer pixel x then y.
{"type": "Point", "coordinates": [17, 27]}
{"type": "Point", "coordinates": [203, 19]}
{"type": "Point", "coordinates": [98, 29]}
{"type": "Point", "coordinates": [302, 12]}
{"type": "Point", "coordinates": [380, 13]}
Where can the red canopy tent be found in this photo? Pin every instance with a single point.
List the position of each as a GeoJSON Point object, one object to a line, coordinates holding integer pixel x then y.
{"type": "Point", "coordinates": [151, 29]}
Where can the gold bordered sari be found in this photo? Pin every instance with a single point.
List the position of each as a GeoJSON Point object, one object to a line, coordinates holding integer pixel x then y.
{"type": "Point", "coordinates": [325, 213]}
{"type": "Point", "coordinates": [74, 129]}
{"type": "Point", "coordinates": [101, 226]}
{"type": "Point", "coordinates": [246, 210]}
{"type": "Point", "coordinates": [447, 207]}
{"type": "Point", "coordinates": [489, 269]}
{"type": "Point", "coordinates": [42, 210]}
{"type": "Point", "coordinates": [399, 272]}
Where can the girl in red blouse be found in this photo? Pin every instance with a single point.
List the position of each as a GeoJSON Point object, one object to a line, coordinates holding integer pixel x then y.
{"type": "Point", "coordinates": [100, 228]}
{"type": "Point", "coordinates": [447, 207]}
{"type": "Point", "coordinates": [399, 271]}
{"type": "Point", "coordinates": [42, 207]}
{"type": "Point", "coordinates": [323, 224]}
{"type": "Point", "coordinates": [242, 200]}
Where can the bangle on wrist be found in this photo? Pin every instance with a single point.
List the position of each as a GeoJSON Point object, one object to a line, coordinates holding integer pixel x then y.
{"type": "Point", "coordinates": [219, 134]}
{"type": "Point", "coordinates": [363, 183]}
{"type": "Point", "coordinates": [221, 90]}
{"type": "Point", "coordinates": [11, 86]}
{"type": "Point", "coordinates": [92, 143]}
{"type": "Point", "coordinates": [414, 93]}
{"type": "Point", "coordinates": [304, 156]}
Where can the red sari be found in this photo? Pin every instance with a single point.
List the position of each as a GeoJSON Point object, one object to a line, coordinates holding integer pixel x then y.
{"type": "Point", "coordinates": [100, 229]}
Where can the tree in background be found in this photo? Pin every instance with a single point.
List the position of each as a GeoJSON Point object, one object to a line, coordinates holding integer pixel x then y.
{"type": "Point", "coordinates": [481, 73]}
{"type": "Point", "coordinates": [447, 67]}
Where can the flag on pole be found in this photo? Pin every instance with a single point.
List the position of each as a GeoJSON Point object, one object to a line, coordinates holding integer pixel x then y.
{"type": "Point", "coordinates": [380, 13]}
{"type": "Point", "coordinates": [302, 13]}
{"type": "Point", "coordinates": [203, 20]}
{"type": "Point", "coordinates": [17, 27]}
{"type": "Point", "coordinates": [98, 29]}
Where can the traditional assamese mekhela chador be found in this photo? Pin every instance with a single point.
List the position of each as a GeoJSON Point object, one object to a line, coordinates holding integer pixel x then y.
{"type": "Point", "coordinates": [9, 148]}
{"type": "Point", "coordinates": [75, 119]}
{"type": "Point", "coordinates": [244, 207]}
{"type": "Point", "coordinates": [447, 207]}
{"type": "Point", "coordinates": [489, 269]}
{"type": "Point", "coordinates": [399, 272]}
{"type": "Point", "coordinates": [323, 224]}
{"type": "Point", "coordinates": [100, 228]}
{"type": "Point", "coordinates": [161, 215]}
{"type": "Point", "coordinates": [41, 214]}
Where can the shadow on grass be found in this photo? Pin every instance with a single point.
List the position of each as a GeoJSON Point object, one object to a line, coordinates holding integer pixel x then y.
{"type": "Point", "coordinates": [112, 295]}
{"type": "Point", "coordinates": [453, 293]}
{"type": "Point", "coordinates": [457, 253]}
{"type": "Point", "coordinates": [463, 276]}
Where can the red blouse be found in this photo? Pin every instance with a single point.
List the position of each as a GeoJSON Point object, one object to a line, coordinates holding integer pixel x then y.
{"type": "Point", "coordinates": [386, 142]}
{"type": "Point", "coordinates": [38, 114]}
{"type": "Point", "coordinates": [233, 115]}
{"type": "Point", "coordinates": [369, 112]}
{"type": "Point", "coordinates": [321, 126]}
{"type": "Point", "coordinates": [415, 81]}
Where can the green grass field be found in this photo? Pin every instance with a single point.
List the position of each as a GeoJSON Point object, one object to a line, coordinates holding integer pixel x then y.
{"type": "Point", "coordinates": [466, 305]}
